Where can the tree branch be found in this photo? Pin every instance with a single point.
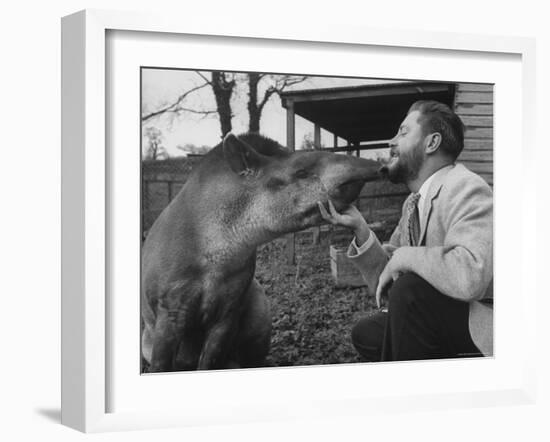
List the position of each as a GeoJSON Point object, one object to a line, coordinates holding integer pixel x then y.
{"type": "Point", "coordinates": [280, 85]}
{"type": "Point", "coordinates": [174, 107]}
{"type": "Point", "coordinates": [203, 77]}
{"type": "Point", "coordinates": [267, 95]}
{"type": "Point", "coordinates": [290, 81]}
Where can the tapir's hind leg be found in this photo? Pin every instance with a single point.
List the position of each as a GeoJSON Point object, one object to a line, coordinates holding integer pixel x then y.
{"type": "Point", "coordinates": [245, 343]}
{"type": "Point", "coordinates": [173, 321]}
{"type": "Point", "coordinates": [254, 336]}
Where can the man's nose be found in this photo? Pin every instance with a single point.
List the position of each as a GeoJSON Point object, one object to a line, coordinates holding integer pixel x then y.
{"type": "Point", "coordinates": [392, 142]}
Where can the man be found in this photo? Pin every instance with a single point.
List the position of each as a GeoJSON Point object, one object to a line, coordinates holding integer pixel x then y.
{"type": "Point", "coordinates": [438, 264]}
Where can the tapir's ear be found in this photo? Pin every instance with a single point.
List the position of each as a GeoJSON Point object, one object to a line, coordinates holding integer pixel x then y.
{"type": "Point", "coordinates": [241, 157]}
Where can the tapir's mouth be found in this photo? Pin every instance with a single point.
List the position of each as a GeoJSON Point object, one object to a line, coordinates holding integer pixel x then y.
{"type": "Point", "coordinates": [348, 191]}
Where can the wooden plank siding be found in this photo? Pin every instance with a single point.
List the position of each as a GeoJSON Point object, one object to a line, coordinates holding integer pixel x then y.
{"type": "Point", "coordinates": [474, 105]}
{"type": "Point", "coordinates": [476, 87]}
{"type": "Point", "coordinates": [477, 121]}
{"type": "Point", "coordinates": [465, 109]}
{"type": "Point", "coordinates": [474, 97]}
{"type": "Point", "coordinates": [478, 156]}
{"type": "Point", "coordinates": [478, 132]}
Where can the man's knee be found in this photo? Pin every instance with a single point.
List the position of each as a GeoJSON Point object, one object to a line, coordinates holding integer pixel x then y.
{"type": "Point", "coordinates": [360, 332]}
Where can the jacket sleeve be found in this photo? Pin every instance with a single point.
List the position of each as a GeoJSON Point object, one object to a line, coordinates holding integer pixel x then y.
{"type": "Point", "coordinates": [369, 260]}
{"type": "Point", "coordinates": [395, 240]}
{"type": "Point", "coordinates": [462, 267]}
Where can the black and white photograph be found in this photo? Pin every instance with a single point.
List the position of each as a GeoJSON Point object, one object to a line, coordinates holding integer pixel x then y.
{"type": "Point", "coordinates": [295, 220]}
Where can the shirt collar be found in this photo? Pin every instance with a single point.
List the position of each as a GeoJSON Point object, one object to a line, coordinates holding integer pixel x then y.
{"type": "Point", "coordinates": [423, 191]}
{"type": "Point", "coordinates": [425, 187]}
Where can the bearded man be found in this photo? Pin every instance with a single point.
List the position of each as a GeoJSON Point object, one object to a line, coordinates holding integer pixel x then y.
{"type": "Point", "coordinates": [437, 269]}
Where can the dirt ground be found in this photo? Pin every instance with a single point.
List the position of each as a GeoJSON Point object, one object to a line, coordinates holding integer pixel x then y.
{"type": "Point", "coordinates": [312, 318]}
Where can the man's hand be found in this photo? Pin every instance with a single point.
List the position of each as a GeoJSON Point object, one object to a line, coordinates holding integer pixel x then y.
{"type": "Point", "coordinates": [394, 268]}
{"type": "Point", "coordinates": [350, 218]}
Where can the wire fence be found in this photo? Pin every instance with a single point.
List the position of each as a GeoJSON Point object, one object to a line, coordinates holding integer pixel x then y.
{"type": "Point", "coordinates": [161, 180]}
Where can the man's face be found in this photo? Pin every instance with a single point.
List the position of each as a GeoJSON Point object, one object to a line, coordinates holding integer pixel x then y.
{"type": "Point", "coordinates": [406, 151]}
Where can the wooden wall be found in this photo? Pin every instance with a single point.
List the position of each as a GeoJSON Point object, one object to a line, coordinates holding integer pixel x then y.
{"type": "Point", "coordinates": [474, 105]}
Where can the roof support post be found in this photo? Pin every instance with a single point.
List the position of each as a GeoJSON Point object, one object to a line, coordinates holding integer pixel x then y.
{"type": "Point", "coordinates": [317, 136]}
{"type": "Point", "coordinates": [358, 154]}
{"type": "Point", "coordinates": [290, 142]}
{"type": "Point", "coordinates": [317, 146]}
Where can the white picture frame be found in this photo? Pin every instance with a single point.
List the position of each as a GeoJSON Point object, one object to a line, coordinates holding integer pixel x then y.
{"type": "Point", "coordinates": [85, 210]}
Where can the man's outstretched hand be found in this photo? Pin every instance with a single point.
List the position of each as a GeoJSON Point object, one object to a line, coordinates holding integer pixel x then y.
{"type": "Point", "coordinates": [350, 218]}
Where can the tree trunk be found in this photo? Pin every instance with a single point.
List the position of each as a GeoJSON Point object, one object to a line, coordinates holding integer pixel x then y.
{"type": "Point", "coordinates": [254, 113]}
{"type": "Point", "coordinates": [223, 89]}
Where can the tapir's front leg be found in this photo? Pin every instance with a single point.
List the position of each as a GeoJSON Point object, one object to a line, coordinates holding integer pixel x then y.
{"type": "Point", "coordinates": [217, 345]}
{"type": "Point", "coordinates": [165, 342]}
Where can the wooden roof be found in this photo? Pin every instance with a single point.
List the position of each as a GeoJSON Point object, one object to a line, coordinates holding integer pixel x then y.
{"type": "Point", "coordinates": [364, 113]}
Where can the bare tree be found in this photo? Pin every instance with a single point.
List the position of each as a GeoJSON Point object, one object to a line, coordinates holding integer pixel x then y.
{"type": "Point", "coordinates": [309, 144]}
{"type": "Point", "coordinates": [155, 149]}
{"type": "Point", "coordinates": [277, 84]}
{"type": "Point", "coordinates": [261, 87]}
{"type": "Point", "coordinates": [223, 84]}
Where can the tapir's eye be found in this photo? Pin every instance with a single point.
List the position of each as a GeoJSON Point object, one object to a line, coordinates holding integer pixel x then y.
{"type": "Point", "coordinates": [275, 183]}
{"type": "Point", "coordinates": [302, 173]}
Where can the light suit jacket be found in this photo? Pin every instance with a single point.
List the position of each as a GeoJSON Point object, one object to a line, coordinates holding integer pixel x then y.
{"type": "Point", "coordinates": [456, 247]}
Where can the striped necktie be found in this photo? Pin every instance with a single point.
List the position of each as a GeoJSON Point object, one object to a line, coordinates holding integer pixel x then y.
{"type": "Point", "coordinates": [413, 220]}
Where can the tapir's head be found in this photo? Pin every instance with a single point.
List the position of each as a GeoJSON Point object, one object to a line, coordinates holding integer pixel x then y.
{"type": "Point", "coordinates": [283, 188]}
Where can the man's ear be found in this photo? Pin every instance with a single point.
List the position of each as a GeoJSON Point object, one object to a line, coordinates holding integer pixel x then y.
{"type": "Point", "coordinates": [433, 141]}
{"type": "Point", "coordinates": [241, 157]}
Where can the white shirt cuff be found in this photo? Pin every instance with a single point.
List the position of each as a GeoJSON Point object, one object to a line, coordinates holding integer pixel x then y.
{"type": "Point", "coordinates": [355, 250]}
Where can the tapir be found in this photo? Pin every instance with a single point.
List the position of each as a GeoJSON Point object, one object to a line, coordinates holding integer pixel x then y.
{"type": "Point", "coordinates": [200, 304]}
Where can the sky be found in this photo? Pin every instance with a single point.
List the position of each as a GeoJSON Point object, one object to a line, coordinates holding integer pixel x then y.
{"type": "Point", "coordinates": [161, 87]}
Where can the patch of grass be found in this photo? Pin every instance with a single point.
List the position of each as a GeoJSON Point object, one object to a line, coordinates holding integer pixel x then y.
{"type": "Point", "coordinates": [312, 318]}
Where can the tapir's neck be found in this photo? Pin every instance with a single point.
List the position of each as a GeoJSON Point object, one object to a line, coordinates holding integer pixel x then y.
{"type": "Point", "coordinates": [235, 243]}
{"type": "Point", "coordinates": [228, 225]}
{"type": "Point", "coordinates": [248, 236]}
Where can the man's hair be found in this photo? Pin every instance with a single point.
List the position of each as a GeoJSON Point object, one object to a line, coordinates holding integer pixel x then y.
{"type": "Point", "coordinates": [438, 117]}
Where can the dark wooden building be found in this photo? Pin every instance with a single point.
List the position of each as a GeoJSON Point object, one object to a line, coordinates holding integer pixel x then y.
{"type": "Point", "coordinates": [366, 117]}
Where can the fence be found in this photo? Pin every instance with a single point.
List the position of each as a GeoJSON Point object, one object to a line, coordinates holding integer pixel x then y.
{"type": "Point", "coordinates": [161, 180]}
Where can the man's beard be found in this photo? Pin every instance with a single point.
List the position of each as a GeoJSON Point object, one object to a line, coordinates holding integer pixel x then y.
{"type": "Point", "coordinates": [405, 167]}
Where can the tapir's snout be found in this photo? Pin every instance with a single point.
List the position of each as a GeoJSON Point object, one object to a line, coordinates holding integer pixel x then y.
{"type": "Point", "coordinates": [346, 177]}
{"type": "Point", "coordinates": [368, 170]}
{"type": "Point", "coordinates": [347, 192]}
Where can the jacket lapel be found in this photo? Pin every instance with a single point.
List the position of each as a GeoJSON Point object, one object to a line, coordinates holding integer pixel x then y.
{"type": "Point", "coordinates": [433, 193]}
